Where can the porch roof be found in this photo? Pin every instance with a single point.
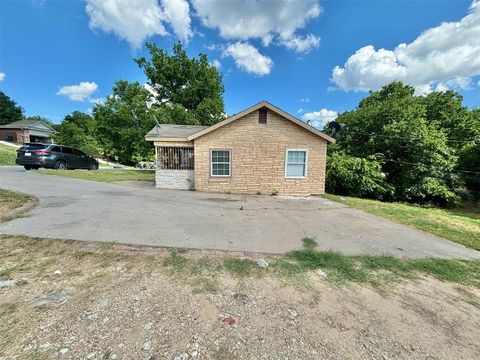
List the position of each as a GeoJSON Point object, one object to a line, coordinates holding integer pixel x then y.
{"type": "Point", "coordinates": [172, 131]}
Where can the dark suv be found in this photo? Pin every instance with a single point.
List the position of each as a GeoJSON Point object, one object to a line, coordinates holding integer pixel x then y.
{"type": "Point", "coordinates": [34, 156]}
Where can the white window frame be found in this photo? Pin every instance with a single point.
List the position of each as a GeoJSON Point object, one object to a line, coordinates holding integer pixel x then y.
{"type": "Point", "coordinates": [286, 164]}
{"type": "Point", "coordinates": [229, 163]}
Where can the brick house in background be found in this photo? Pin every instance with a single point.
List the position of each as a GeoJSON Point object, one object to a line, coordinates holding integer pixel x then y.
{"type": "Point", "coordinates": [25, 131]}
{"type": "Point", "coordinates": [262, 149]}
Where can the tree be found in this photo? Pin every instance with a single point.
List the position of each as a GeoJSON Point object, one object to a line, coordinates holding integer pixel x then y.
{"type": "Point", "coordinates": [9, 110]}
{"type": "Point", "coordinates": [184, 85]}
{"type": "Point", "coordinates": [391, 124]}
{"type": "Point", "coordinates": [354, 176]}
{"type": "Point", "coordinates": [78, 130]}
{"type": "Point", "coordinates": [123, 121]}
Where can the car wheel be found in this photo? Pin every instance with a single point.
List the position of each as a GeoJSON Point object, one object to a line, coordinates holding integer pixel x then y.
{"type": "Point", "coordinates": [27, 167]}
{"type": "Point", "coordinates": [93, 167]}
{"type": "Point", "coordinates": [60, 165]}
{"type": "Point", "coordinates": [35, 167]}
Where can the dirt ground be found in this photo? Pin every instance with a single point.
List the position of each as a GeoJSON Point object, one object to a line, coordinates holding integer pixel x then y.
{"type": "Point", "coordinates": [78, 301]}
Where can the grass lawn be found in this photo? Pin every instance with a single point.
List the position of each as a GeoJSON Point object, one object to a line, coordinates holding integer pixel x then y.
{"type": "Point", "coordinates": [107, 176]}
{"type": "Point", "coordinates": [11, 201]}
{"type": "Point", "coordinates": [460, 226]}
{"type": "Point", "coordinates": [7, 155]}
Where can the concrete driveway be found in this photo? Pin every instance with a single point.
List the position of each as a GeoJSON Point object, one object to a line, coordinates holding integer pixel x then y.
{"type": "Point", "coordinates": [86, 210]}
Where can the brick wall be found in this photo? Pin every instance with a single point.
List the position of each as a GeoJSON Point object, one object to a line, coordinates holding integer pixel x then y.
{"type": "Point", "coordinates": [258, 157]}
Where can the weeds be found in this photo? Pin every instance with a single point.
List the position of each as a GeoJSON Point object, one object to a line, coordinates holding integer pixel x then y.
{"type": "Point", "coordinates": [239, 267]}
{"type": "Point", "coordinates": [309, 243]}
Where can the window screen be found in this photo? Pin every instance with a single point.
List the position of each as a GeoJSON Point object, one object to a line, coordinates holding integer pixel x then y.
{"type": "Point", "coordinates": [296, 164]}
{"type": "Point", "coordinates": [221, 164]}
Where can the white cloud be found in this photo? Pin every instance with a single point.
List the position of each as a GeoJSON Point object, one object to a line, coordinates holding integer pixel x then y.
{"type": "Point", "coordinates": [216, 64]}
{"type": "Point", "coordinates": [305, 100]}
{"type": "Point", "coordinates": [78, 92]}
{"type": "Point", "coordinates": [2, 76]}
{"type": "Point", "coordinates": [266, 20]}
{"type": "Point", "coordinates": [302, 44]}
{"type": "Point", "coordinates": [447, 56]}
{"type": "Point", "coordinates": [320, 118]}
{"type": "Point", "coordinates": [177, 13]}
{"type": "Point", "coordinates": [300, 110]}
{"type": "Point", "coordinates": [248, 58]}
{"type": "Point", "coordinates": [135, 21]}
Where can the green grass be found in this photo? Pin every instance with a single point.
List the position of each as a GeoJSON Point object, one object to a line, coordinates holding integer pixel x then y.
{"type": "Point", "coordinates": [9, 202]}
{"type": "Point", "coordinates": [378, 269]}
{"type": "Point", "coordinates": [7, 155]}
{"type": "Point", "coordinates": [460, 226]}
{"type": "Point", "coordinates": [309, 243]}
{"type": "Point", "coordinates": [239, 267]}
{"type": "Point", "coordinates": [107, 176]}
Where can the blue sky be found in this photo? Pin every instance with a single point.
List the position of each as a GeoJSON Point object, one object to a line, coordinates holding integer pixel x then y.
{"type": "Point", "coordinates": [311, 58]}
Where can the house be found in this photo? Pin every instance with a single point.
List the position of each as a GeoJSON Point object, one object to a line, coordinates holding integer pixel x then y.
{"type": "Point", "coordinates": [261, 150]}
{"type": "Point", "coordinates": [25, 131]}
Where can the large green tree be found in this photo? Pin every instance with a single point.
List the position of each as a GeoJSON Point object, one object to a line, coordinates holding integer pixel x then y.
{"type": "Point", "coordinates": [392, 125]}
{"type": "Point", "coordinates": [78, 130]}
{"type": "Point", "coordinates": [9, 110]}
{"type": "Point", "coordinates": [189, 90]}
{"type": "Point", "coordinates": [123, 121]}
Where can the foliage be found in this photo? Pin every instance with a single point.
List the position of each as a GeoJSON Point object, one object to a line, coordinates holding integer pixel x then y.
{"type": "Point", "coordinates": [9, 110]}
{"type": "Point", "coordinates": [469, 163]}
{"type": "Point", "coordinates": [361, 177]}
{"type": "Point", "coordinates": [411, 136]}
{"type": "Point", "coordinates": [78, 130]}
{"type": "Point", "coordinates": [189, 90]}
{"type": "Point", "coordinates": [123, 121]}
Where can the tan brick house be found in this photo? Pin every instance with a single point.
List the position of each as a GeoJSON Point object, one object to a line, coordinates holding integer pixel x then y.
{"type": "Point", "coordinates": [262, 149]}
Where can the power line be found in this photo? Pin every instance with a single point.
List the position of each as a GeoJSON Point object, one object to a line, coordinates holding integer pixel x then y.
{"type": "Point", "coordinates": [421, 164]}
{"type": "Point", "coordinates": [474, 141]}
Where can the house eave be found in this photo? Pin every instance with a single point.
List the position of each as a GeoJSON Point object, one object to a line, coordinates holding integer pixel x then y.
{"type": "Point", "coordinates": [256, 107]}
{"type": "Point", "coordinates": [165, 139]}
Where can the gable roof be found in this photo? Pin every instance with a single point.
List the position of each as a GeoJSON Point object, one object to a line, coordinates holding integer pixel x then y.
{"type": "Point", "coordinates": [262, 104]}
{"type": "Point", "coordinates": [173, 131]}
{"type": "Point", "coordinates": [29, 124]}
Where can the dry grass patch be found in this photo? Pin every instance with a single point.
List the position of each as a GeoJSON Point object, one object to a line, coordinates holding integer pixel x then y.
{"type": "Point", "coordinates": [14, 204]}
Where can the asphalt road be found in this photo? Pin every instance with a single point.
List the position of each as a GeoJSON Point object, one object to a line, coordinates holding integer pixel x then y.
{"type": "Point", "coordinates": [92, 211]}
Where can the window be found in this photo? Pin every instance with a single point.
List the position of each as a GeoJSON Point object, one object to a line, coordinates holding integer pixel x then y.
{"type": "Point", "coordinates": [262, 116]}
{"type": "Point", "coordinates": [221, 164]}
{"type": "Point", "coordinates": [78, 152]}
{"type": "Point", "coordinates": [296, 163]}
{"type": "Point", "coordinates": [56, 149]}
{"type": "Point", "coordinates": [175, 158]}
{"type": "Point", "coordinates": [67, 150]}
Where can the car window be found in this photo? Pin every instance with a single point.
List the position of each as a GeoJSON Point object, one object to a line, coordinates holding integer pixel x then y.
{"type": "Point", "coordinates": [56, 149]}
{"type": "Point", "coordinates": [33, 147]}
{"type": "Point", "coordinates": [78, 152]}
{"type": "Point", "coordinates": [67, 150]}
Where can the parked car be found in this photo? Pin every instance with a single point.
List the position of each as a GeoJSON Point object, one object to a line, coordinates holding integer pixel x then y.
{"type": "Point", "coordinates": [35, 155]}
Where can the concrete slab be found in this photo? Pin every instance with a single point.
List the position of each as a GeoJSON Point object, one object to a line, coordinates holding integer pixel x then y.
{"type": "Point", "coordinates": [92, 211]}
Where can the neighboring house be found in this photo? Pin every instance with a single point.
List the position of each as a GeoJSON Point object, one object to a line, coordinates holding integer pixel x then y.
{"type": "Point", "coordinates": [25, 131]}
{"type": "Point", "coordinates": [262, 149]}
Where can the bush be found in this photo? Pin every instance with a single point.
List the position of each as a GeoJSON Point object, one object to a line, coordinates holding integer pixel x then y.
{"type": "Point", "coordinates": [358, 177]}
